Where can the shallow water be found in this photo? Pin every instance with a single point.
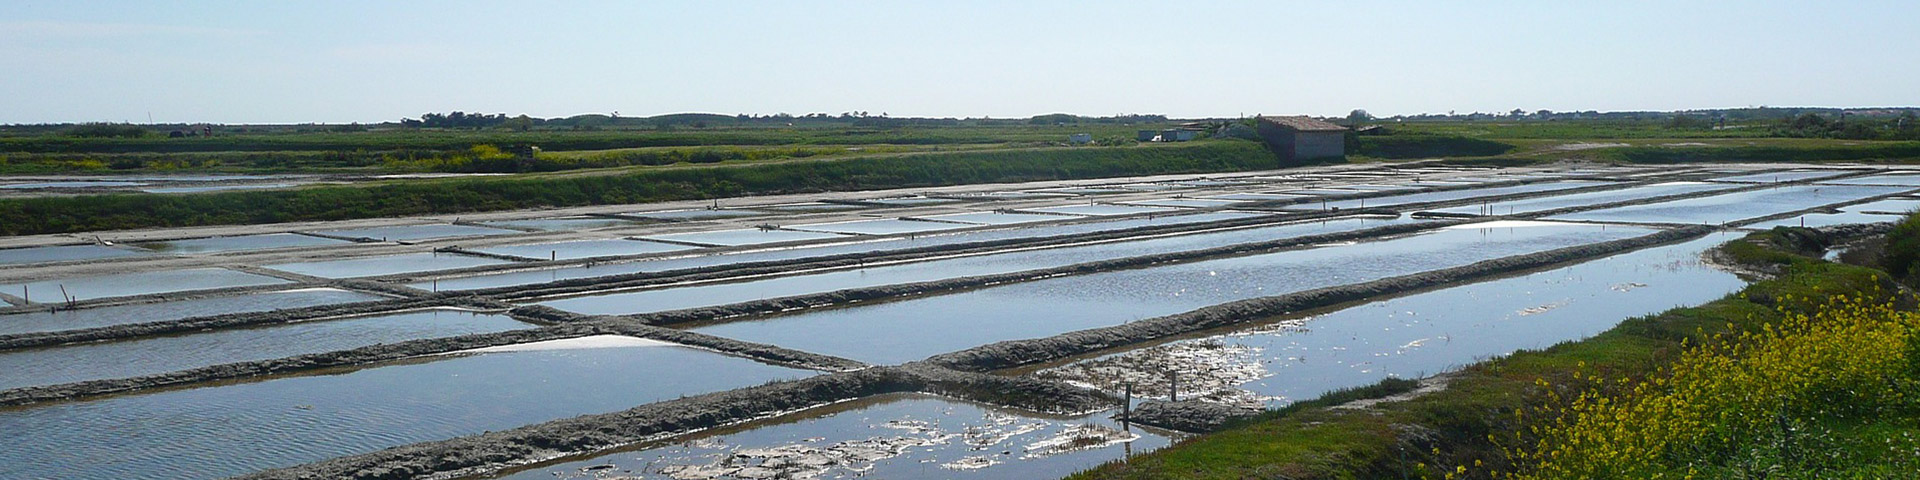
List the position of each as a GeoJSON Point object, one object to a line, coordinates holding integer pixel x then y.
{"type": "Point", "coordinates": [912, 329]}
{"type": "Point", "coordinates": [416, 232]}
{"type": "Point", "coordinates": [892, 436]}
{"type": "Point", "coordinates": [62, 253]}
{"type": "Point", "coordinates": [1786, 176]}
{"type": "Point", "coordinates": [1086, 190]}
{"type": "Point", "coordinates": [909, 201]}
{"type": "Point", "coordinates": [1185, 202]}
{"type": "Point", "coordinates": [701, 214]}
{"type": "Point", "coordinates": [386, 265]}
{"type": "Point", "coordinates": [154, 355]}
{"type": "Point", "coordinates": [893, 244]}
{"type": "Point", "coordinates": [1732, 207]}
{"type": "Point", "coordinates": [45, 321]}
{"type": "Point", "coordinates": [240, 243]}
{"type": "Point", "coordinates": [236, 428]}
{"type": "Point", "coordinates": [735, 292]}
{"type": "Point", "coordinates": [996, 218]}
{"type": "Point", "coordinates": [564, 223]}
{"type": "Point", "coordinates": [1447, 196]}
{"type": "Point", "coordinates": [1426, 333]}
{"type": "Point", "coordinates": [745, 236]}
{"type": "Point", "coordinates": [1911, 179]}
{"type": "Point", "coordinates": [130, 284]}
{"type": "Point", "coordinates": [1102, 209]}
{"type": "Point", "coordinates": [1319, 192]}
{"type": "Point", "coordinates": [1254, 197]}
{"type": "Point", "coordinates": [583, 249]}
{"type": "Point", "coordinates": [880, 227]}
{"type": "Point", "coordinates": [810, 207]}
{"type": "Point", "coordinates": [1537, 204]}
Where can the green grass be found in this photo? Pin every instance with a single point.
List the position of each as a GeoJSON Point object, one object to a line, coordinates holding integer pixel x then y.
{"type": "Point", "coordinates": [634, 185]}
{"type": "Point", "coordinates": [1428, 436]}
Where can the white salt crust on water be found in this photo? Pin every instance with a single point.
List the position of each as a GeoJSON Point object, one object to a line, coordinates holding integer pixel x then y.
{"type": "Point", "coordinates": [581, 343]}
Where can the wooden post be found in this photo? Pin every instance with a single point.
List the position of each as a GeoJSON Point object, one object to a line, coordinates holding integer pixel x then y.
{"type": "Point", "coordinates": [1126, 409]}
{"type": "Point", "coordinates": [1173, 386]}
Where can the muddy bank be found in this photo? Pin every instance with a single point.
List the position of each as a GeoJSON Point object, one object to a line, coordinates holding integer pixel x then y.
{"type": "Point", "coordinates": [894, 291]}
{"type": "Point", "coordinates": [232, 320]}
{"type": "Point", "coordinates": [591, 433]}
{"type": "Point", "coordinates": [714, 272]}
{"type": "Point", "coordinates": [1014, 353]}
{"type": "Point", "coordinates": [1188, 415]}
{"type": "Point", "coordinates": [1021, 392]}
{"type": "Point", "coordinates": [759, 351]}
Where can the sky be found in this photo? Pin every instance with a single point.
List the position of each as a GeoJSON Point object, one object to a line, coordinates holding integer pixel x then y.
{"type": "Point", "coordinates": [344, 61]}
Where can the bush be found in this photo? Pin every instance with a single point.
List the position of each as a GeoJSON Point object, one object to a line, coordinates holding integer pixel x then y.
{"type": "Point", "coordinates": [107, 130]}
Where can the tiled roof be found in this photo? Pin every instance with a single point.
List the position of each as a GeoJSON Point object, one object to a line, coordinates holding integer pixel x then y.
{"type": "Point", "coordinates": [1304, 124]}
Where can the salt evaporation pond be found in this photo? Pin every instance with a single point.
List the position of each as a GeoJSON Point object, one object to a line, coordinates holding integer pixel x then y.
{"type": "Point", "coordinates": [53, 321]}
{"type": "Point", "coordinates": [1787, 176]}
{"type": "Point", "coordinates": [1102, 209]}
{"type": "Point", "coordinates": [1538, 204]}
{"type": "Point", "coordinates": [155, 355]}
{"type": "Point", "coordinates": [1320, 192]}
{"type": "Point", "coordinates": [810, 207]}
{"type": "Point", "coordinates": [745, 236]}
{"type": "Point", "coordinates": [891, 436]}
{"type": "Point", "coordinates": [908, 201]}
{"type": "Point", "coordinates": [1379, 188]}
{"type": "Point", "coordinates": [406, 233]}
{"type": "Point", "coordinates": [1889, 210]}
{"type": "Point", "coordinates": [701, 214]}
{"type": "Point", "coordinates": [664, 299]}
{"type": "Point", "coordinates": [387, 265]}
{"type": "Point", "coordinates": [241, 243]}
{"type": "Point", "coordinates": [1255, 197]}
{"type": "Point", "coordinates": [237, 428]}
{"type": "Point", "coordinates": [996, 218]}
{"type": "Point", "coordinates": [1447, 196]}
{"type": "Point", "coordinates": [1732, 207]}
{"type": "Point", "coordinates": [1420, 334]}
{"type": "Point", "coordinates": [131, 284]}
{"type": "Point", "coordinates": [1909, 179]}
{"type": "Point", "coordinates": [1185, 202]}
{"type": "Point", "coordinates": [62, 253]}
{"type": "Point", "coordinates": [583, 249]}
{"type": "Point", "coordinates": [912, 329]}
{"type": "Point", "coordinates": [563, 223]}
{"type": "Point", "coordinates": [890, 244]}
{"type": "Point", "coordinates": [880, 227]}
{"type": "Point", "coordinates": [1086, 190]}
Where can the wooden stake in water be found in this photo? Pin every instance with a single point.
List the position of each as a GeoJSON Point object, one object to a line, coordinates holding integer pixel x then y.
{"type": "Point", "coordinates": [1173, 386]}
{"type": "Point", "coordinates": [1126, 409]}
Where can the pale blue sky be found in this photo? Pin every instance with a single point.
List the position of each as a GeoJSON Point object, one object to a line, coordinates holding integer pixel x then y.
{"type": "Point", "coordinates": [368, 61]}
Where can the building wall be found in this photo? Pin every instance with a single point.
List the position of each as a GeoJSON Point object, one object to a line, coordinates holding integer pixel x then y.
{"type": "Point", "coordinates": [1319, 145]}
{"type": "Point", "coordinates": [1277, 137]}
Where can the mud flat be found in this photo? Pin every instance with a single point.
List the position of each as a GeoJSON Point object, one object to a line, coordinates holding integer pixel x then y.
{"type": "Point", "coordinates": [1304, 356]}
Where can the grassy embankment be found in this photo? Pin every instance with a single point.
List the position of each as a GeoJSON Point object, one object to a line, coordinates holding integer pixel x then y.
{"type": "Point", "coordinates": [443, 150]}
{"type": "Point", "coordinates": [636, 185]}
{"type": "Point", "coordinates": [1644, 142]}
{"type": "Point", "coordinates": [1468, 430]}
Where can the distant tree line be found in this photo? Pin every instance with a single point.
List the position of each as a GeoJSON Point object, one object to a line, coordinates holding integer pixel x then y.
{"type": "Point", "coordinates": [457, 119]}
{"type": "Point", "coordinates": [1850, 127]}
